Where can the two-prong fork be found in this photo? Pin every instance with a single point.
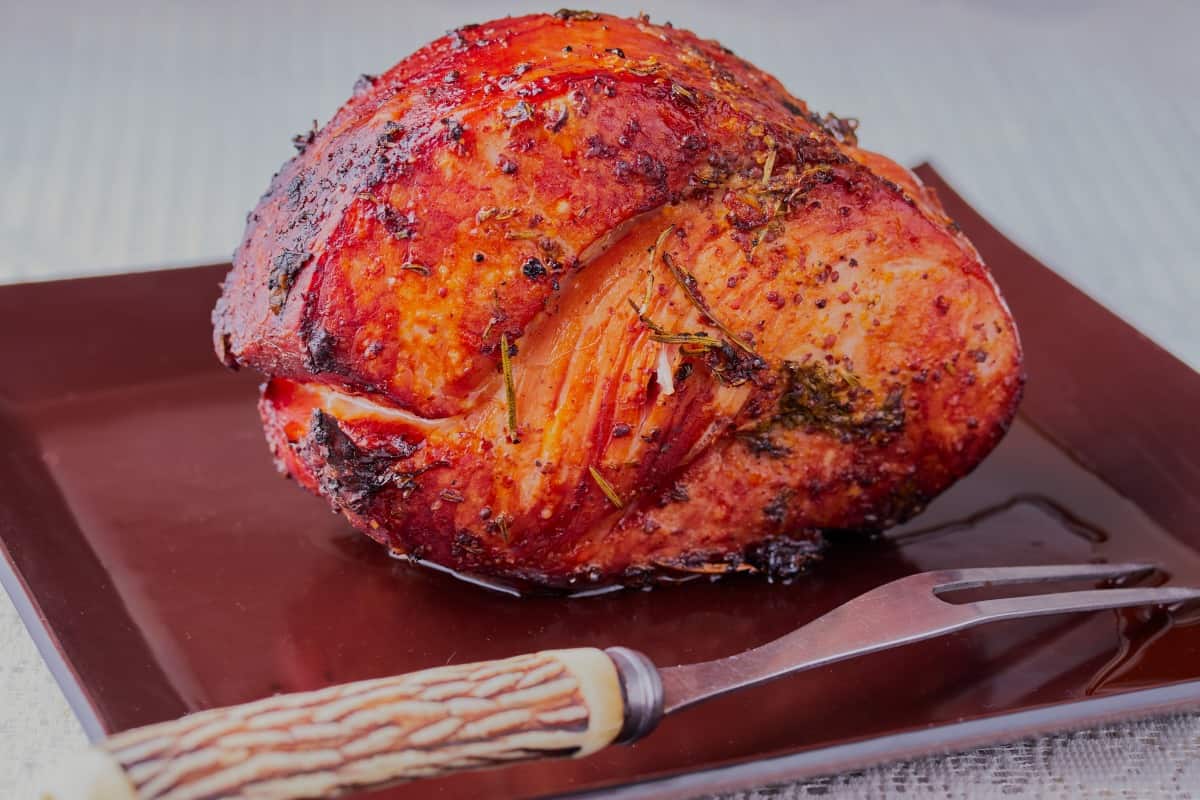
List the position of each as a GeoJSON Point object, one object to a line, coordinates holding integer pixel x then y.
{"type": "Point", "coordinates": [908, 610]}
{"type": "Point", "coordinates": [551, 703]}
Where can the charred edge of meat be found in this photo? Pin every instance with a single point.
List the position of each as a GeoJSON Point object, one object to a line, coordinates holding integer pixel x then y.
{"type": "Point", "coordinates": [818, 399]}
{"type": "Point", "coordinates": [284, 269]}
{"type": "Point", "coordinates": [301, 141]}
{"type": "Point", "coordinates": [777, 510]}
{"type": "Point", "coordinates": [225, 343]}
{"type": "Point", "coordinates": [903, 503]}
{"type": "Point", "coordinates": [784, 557]}
{"type": "Point", "coordinates": [573, 14]}
{"type": "Point", "coordinates": [732, 366]}
{"type": "Point", "coordinates": [321, 348]}
{"type": "Point", "coordinates": [792, 108]}
{"type": "Point", "coordinates": [780, 558]}
{"type": "Point", "coordinates": [843, 129]}
{"type": "Point", "coordinates": [346, 473]}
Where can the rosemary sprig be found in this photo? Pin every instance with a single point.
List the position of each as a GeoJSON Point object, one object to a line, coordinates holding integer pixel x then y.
{"type": "Point", "coordinates": [684, 94]}
{"type": "Point", "coordinates": [510, 392]}
{"type": "Point", "coordinates": [660, 334]}
{"type": "Point", "coordinates": [642, 317]}
{"type": "Point", "coordinates": [492, 212]}
{"type": "Point", "coordinates": [688, 282]}
{"type": "Point", "coordinates": [658, 243]}
{"type": "Point", "coordinates": [649, 291]}
{"type": "Point", "coordinates": [641, 310]}
{"type": "Point", "coordinates": [768, 167]}
{"type": "Point", "coordinates": [691, 343]}
{"type": "Point", "coordinates": [645, 320]}
{"type": "Point", "coordinates": [606, 487]}
{"type": "Point", "coordinates": [699, 339]}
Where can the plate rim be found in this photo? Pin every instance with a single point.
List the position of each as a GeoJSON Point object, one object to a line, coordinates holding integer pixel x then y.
{"type": "Point", "coordinates": [925, 742]}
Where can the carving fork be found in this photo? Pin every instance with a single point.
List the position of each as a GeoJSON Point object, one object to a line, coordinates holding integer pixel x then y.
{"type": "Point", "coordinates": [552, 703]}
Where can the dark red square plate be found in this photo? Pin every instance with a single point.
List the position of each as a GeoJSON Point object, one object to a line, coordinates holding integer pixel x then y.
{"type": "Point", "coordinates": [163, 567]}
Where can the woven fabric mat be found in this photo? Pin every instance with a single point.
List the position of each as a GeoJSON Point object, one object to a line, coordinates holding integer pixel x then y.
{"type": "Point", "coordinates": [1149, 759]}
{"type": "Point", "coordinates": [138, 134]}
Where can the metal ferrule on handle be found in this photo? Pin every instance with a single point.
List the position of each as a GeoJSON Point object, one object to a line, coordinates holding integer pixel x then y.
{"type": "Point", "coordinates": [641, 692]}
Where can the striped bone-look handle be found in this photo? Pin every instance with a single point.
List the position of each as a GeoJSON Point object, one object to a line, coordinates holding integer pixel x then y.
{"type": "Point", "coordinates": [371, 733]}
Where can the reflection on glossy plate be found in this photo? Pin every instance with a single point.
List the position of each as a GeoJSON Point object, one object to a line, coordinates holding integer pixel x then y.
{"type": "Point", "coordinates": [163, 566]}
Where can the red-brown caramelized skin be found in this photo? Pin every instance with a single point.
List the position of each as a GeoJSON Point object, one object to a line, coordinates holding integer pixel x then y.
{"type": "Point", "coordinates": [728, 328]}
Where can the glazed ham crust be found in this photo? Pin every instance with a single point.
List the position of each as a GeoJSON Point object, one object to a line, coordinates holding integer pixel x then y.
{"type": "Point", "coordinates": [728, 328]}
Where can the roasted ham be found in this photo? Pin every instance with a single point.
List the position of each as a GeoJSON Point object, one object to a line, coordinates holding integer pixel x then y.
{"type": "Point", "coordinates": [574, 299]}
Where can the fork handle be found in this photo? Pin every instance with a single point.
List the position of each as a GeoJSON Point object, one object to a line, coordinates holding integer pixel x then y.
{"type": "Point", "coordinates": [371, 733]}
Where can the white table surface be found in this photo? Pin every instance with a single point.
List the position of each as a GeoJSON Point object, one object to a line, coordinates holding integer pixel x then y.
{"type": "Point", "coordinates": [136, 135]}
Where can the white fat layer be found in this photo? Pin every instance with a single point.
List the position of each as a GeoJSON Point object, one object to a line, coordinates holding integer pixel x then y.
{"type": "Point", "coordinates": [349, 406]}
{"type": "Point", "coordinates": [666, 379]}
{"type": "Point", "coordinates": [605, 243]}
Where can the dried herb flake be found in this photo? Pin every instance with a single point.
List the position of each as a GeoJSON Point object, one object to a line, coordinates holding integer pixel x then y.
{"type": "Point", "coordinates": [606, 487]}
{"type": "Point", "coordinates": [688, 282]}
{"type": "Point", "coordinates": [510, 392]}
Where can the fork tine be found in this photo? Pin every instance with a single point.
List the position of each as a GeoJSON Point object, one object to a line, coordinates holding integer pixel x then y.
{"type": "Point", "coordinates": [1086, 600]}
{"type": "Point", "coordinates": [952, 579]}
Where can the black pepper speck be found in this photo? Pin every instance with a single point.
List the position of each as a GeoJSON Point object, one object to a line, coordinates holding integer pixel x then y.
{"type": "Point", "coordinates": [534, 269]}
